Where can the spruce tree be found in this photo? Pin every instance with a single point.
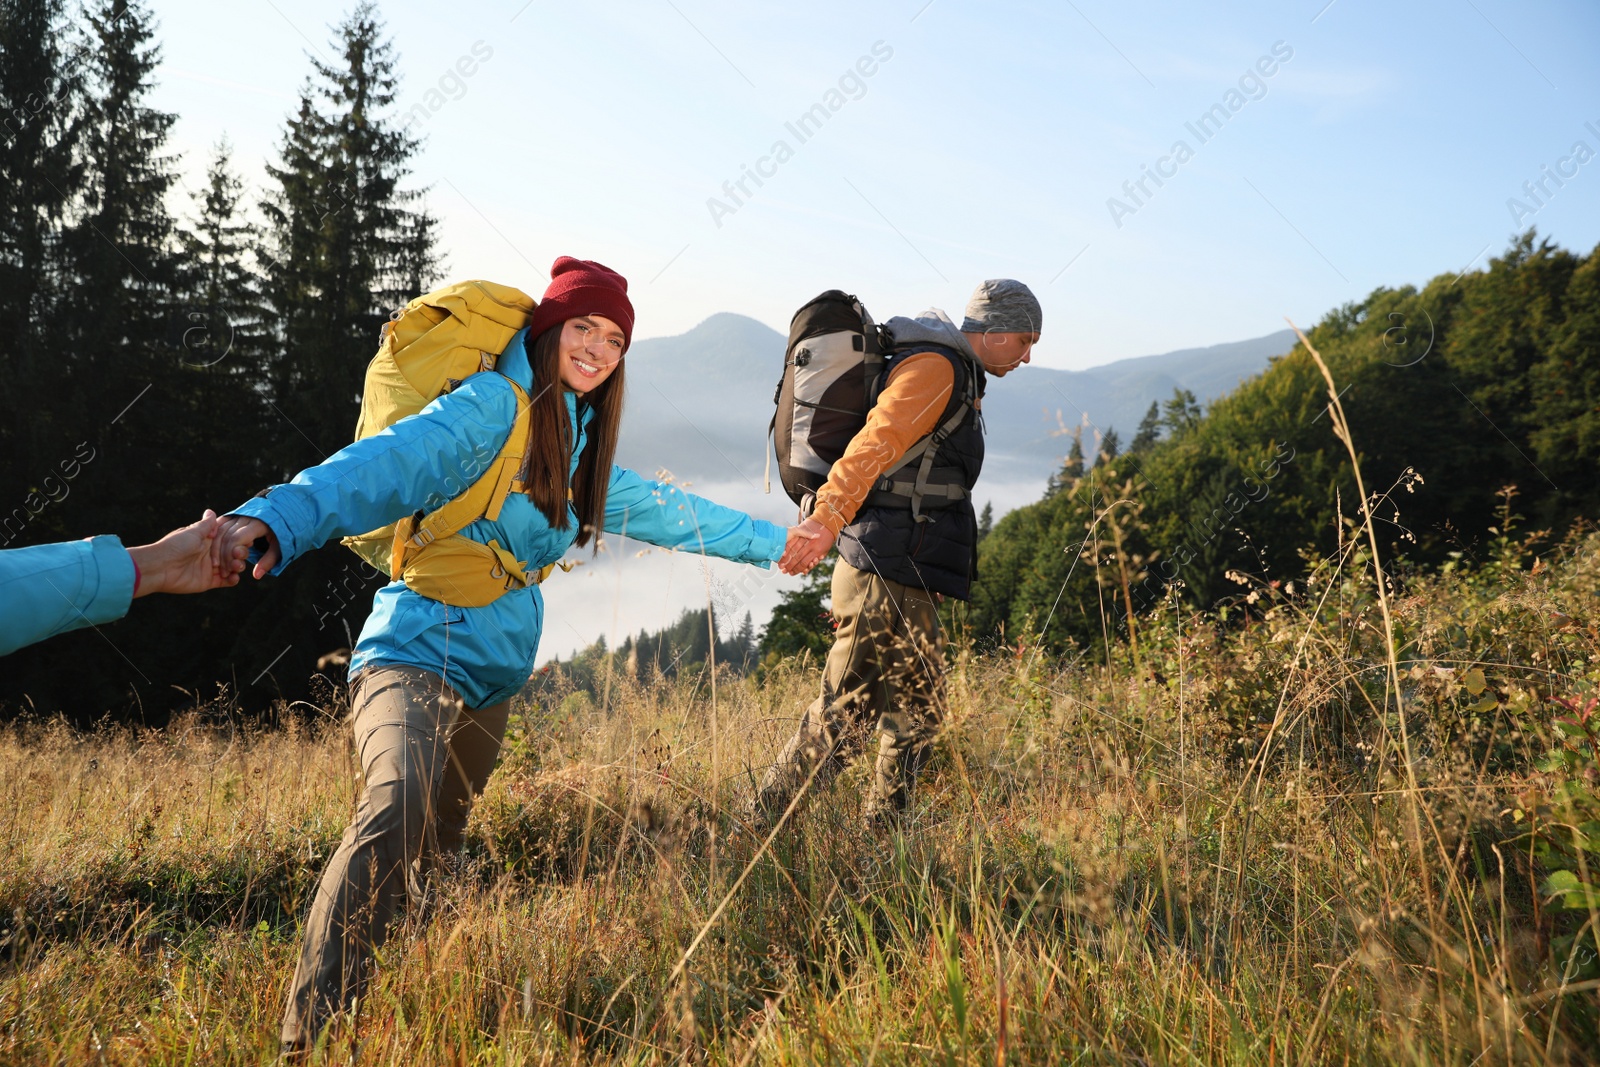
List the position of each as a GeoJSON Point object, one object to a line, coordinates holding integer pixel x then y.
{"type": "Point", "coordinates": [1110, 445]}
{"type": "Point", "coordinates": [40, 93]}
{"type": "Point", "coordinates": [221, 320]}
{"type": "Point", "coordinates": [120, 243]}
{"type": "Point", "coordinates": [119, 385]}
{"type": "Point", "coordinates": [1149, 431]}
{"type": "Point", "coordinates": [986, 520]}
{"type": "Point", "coordinates": [216, 339]}
{"type": "Point", "coordinates": [1181, 413]}
{"type": "Point", "coordinates": [1071, 470]}
{"type": "Point", "coordinates": [111, 400]}
{"type": "Point", "coordinates": [744, 643]}
{"type": "Point", "coordinates": [346, 243]}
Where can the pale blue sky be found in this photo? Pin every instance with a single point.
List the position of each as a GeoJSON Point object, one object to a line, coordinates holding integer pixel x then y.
{"type": "Point", "coordinates": [1383, 152]}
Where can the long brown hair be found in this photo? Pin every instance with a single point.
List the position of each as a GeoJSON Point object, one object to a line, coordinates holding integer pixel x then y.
{"type": "Point", "coordinates": [550, 442]}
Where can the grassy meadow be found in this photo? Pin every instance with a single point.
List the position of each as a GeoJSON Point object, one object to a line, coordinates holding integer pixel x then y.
{"type": "Point", "coordinates": [1219, 842]}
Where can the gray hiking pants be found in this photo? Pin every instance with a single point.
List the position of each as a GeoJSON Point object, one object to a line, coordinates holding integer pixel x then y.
{"type": "Point", "coordinates": [424, 757]}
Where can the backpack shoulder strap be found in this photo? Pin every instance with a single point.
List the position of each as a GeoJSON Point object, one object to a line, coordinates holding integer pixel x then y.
{"type": "Point", "coordinates": [962, 396]}
{"type": "Point", "coordinates": [482, 500]}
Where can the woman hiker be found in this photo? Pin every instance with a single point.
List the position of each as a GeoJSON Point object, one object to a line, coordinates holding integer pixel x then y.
{"type": "Point", "coordinates": [430, 682]}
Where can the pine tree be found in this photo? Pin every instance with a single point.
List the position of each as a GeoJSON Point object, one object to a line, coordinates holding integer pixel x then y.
{"type": "Point", "coordinates": [40, 94]}
{"type": "Point", "coordinates": [345, 244]}
{"type": "Point", "coordinates": [120, 383]}
{"type": "Point", "coordinates": [1180, 413]}
{"type": "Point", "coordinates": [1074, 467]}
{"type": "Point", "coordinates": [120, 243]}
{"type": "Point", "coordinates": [1110, 445]}
{"type": "Point", "coordinates": [1070, 471]}
{"type": "Point", "coordinates": [744, 643]}
{"type": "Point", "coordinates": [986, 520]}
{"type": "Point", "coordinates": [217, 341]}
{"type": "Point", "coordinates": [1149, 431]}
{"type": "Point", "coordinates": [222, 316]}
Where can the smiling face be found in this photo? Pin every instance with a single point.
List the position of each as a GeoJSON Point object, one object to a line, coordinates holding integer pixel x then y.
{"type": "Point", "coordinates": [1003, 353]}
{"type": "Point", "coordinates": [591, 347]}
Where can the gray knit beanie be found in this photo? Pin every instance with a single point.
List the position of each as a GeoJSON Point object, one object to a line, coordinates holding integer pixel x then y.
{"type": "Point", "coordinates": [1002, 305]}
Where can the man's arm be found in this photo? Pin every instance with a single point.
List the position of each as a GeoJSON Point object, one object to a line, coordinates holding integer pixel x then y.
{"type": "Point", "coordinates": [908, 409]}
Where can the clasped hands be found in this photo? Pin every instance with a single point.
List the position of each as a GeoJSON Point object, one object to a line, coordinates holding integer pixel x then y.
{"type": "Point", "coordinates": [807, 544]}
{"type": "Point", "coordinates": [187, 560]}
{"type": "Point", "coordinates": [205, 555]}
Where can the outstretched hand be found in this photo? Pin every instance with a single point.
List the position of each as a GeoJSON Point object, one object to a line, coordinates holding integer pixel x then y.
{"type": "Point", "coordinates": [808, 543]}
{"type": "Point", "coordinates": [235, 535]}
{"type": "Point", "coordinates": [182, 561]}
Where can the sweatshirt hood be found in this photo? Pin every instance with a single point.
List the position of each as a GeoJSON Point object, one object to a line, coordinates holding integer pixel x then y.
{"type": "Point", "coordinates": [930, 327]}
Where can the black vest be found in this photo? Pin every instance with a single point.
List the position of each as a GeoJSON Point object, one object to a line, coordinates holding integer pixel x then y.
{"type": "Point", "coordinates": [940, 555]}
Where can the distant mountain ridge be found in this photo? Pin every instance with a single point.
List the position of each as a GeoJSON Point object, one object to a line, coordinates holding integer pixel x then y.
{"type": "Point", "coordinates": [699, 403]}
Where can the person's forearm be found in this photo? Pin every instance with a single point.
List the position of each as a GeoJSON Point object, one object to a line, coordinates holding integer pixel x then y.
{"type": "Point", "coordinates": [147, 571]}
{"type": "Point", "coordinates": [907, 410]}
{"type": "Point", "coordinates": [50, 589]}
{"type": "Point", "coordinates": [154, 569]}
{"type": "Point", "coordinates": [661, 514]}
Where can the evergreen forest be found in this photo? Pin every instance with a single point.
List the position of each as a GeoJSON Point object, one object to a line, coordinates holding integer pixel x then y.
{"type": "Point", "coordinates": [160, 362]}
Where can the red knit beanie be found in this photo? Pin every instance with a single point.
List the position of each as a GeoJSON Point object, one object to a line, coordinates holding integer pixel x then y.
{"type": "Point", "coordinates": [583, 287]}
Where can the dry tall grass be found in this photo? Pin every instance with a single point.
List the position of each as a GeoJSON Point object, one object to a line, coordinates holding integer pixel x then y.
{"type": "Point", "coordinates": [1210, 849]}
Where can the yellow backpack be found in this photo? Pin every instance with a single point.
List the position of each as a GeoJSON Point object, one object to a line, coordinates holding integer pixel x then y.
{"type": "Point", "coordinates": [428, 348]}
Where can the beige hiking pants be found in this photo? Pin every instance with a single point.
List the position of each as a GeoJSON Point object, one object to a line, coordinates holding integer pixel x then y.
{"type": "Point", "coordinates": [884, 675]}
{"type": "Point", "coordinates": [424, 757]}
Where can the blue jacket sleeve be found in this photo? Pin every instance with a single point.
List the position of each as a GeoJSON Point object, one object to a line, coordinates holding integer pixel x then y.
{"type": "Point", "coordinates": [50, 589]}
{"type": "Point", "coordinates": [662, 514]}
{"type": "Point", "coordinates": [418, 464]}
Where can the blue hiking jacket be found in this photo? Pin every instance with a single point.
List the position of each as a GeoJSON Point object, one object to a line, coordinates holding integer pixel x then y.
{"type": "Point", "coordinates": [49, 589]}
{"type": "Point", "coordinates": [422, 462]}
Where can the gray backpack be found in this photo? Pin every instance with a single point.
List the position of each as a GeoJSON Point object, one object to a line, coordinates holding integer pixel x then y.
{"type": "Point", "coordinates": [832, 372]}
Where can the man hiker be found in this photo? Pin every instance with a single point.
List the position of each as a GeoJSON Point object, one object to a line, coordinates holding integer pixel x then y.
{"type": "Point", "coordinates": [885, 673]}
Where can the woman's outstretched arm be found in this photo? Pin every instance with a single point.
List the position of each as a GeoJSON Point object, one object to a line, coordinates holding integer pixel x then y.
{"type": "Point", "coordinates": [418, 464]}
{"type": "Point", "coordinates": [660, 513]}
